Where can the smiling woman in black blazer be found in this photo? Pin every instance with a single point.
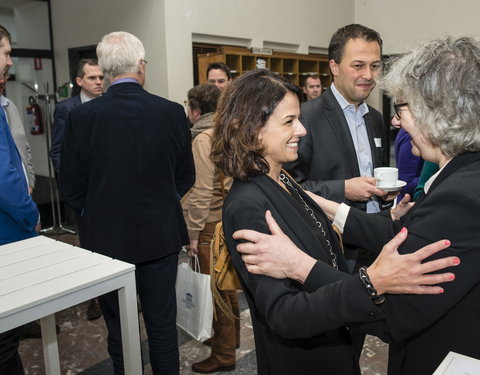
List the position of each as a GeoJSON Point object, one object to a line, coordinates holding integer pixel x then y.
{"type": "Point", "coordinates": [436, 88]}
{"type": "Point", "coordinates": [300, 327]}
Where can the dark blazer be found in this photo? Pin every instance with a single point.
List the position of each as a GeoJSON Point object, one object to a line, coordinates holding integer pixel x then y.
{"type": "Point", "coordinates": [18, 212]}
{"type": "Point", "coordinates": [126, 161]}
{"type": "Point", "coordinates": [60, 116]}
{"type": "Point", "coordinates": [326, 156]}
{"type": "Point", "coordinates": [299, 329]}
{"type": "Point", "coordinates": [424, 328]}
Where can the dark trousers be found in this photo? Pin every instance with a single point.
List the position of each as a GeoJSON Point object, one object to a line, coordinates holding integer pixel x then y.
{"type": "Point", "coordinates": [156, 290]}
{"type": "Point", "coordinates": [10, 361]}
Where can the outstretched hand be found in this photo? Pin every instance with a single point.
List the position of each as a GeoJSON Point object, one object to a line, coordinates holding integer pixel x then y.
{"type": "Point", "coordinates": [406, 274]}
{"type": "Point", "coordinates": [274, 255]}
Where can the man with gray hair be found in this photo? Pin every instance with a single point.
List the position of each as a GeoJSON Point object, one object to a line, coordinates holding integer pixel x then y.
{"type": "Point", "coordinates": [126, 161]}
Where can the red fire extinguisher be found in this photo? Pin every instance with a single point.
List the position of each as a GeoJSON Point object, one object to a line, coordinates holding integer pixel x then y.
{"type": "Point", "coordinates": [34, 117]}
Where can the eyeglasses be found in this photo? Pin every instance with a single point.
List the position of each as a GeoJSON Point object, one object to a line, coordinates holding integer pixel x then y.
{"type": "Point", "coordinates": [398, 110]}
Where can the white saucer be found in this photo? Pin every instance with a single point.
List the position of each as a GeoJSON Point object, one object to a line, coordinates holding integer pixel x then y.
{"type": "Point", "coordinates": [398, 185]}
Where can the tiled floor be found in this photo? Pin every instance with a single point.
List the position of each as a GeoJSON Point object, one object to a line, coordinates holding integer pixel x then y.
{"type": "Point", "coordinates": [82, 345]}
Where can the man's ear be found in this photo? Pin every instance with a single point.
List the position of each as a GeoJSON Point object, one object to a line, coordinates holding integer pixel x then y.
{"type": "Point", "coordinates": [333, 67]}
{"type": "Point", "coordinates": [79, 81]}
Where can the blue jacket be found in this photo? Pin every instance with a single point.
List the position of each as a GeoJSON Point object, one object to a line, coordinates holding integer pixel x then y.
{"type": "Point", "coordinates": [18, 212]}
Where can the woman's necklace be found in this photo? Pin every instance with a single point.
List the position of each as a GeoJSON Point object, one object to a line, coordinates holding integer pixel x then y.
{"type": "Point", "coordinates": [287, 182]}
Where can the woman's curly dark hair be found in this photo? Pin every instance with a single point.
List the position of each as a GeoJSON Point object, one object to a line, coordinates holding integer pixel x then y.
{"type": "Point", "coordinates": [244, 108]}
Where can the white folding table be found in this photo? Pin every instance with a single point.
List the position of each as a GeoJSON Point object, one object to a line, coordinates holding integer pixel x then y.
{"type": "Point", "coordinates": [41, 276]}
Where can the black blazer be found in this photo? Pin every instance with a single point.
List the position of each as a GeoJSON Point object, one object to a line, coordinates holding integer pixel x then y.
{"type": "Point", "coordinates": [326, 156]}
{"type": "Point", "coordinates": [423, 329]}
{"type": "Point", "coordinates": [299, 329]}
{"type": "Point", "coordinates": [126, 160]}
{"type": "Point", "coordinates": [60, 116]}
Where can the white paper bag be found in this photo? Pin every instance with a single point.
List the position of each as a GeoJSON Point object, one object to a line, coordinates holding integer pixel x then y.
{"type": "Point", "coordinates": [194, 301]}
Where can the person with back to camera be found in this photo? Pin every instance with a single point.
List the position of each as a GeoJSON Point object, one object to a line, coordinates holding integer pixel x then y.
{"type": "Point", "coordinates": [299, 324]}
{"type": "Point", "coordinates": [202, 207]}
{"type": "Point", "coordinates": [126, 161]}
{"type": "Point", "coordinates": [436, 89]}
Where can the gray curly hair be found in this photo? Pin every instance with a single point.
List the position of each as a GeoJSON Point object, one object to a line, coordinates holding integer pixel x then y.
{"type": "Point", "coordinates": [441, 83]}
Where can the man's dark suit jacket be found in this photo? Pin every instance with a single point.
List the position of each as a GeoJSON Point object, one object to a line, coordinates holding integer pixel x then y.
{"type": "Point", "coordinates": [326, 156]}
{"type": "Point", "coordinates": [424, 328]}
{"type": "Point", "coordinates": [60, 116]}
{"type": "Point", "coordinates": [126, 160]}
{"type": "Point", "coordinates": [299, 329]}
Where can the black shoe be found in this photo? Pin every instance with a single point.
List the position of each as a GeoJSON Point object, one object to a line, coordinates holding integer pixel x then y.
{"type": "Point", "coordinates": [33, 330]}
{"type": "Point", "coordinates": [94, 311]}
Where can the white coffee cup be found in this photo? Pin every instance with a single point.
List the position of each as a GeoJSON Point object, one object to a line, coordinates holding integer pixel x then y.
{"type": "Point", "coordinates": [385, 176]}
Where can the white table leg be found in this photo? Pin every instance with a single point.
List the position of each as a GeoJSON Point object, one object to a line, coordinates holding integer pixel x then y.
{"type": "Point", "coordinates": [50, 346]}
{"type": "Point", "coordinates": [127, 299]}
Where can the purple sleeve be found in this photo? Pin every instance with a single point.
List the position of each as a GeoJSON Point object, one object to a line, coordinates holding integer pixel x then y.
{"type": "Point", "coordinates": [409, 166]}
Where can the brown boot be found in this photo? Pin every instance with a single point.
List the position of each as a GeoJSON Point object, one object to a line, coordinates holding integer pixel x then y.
{"type": "Point", "coordinates": [208, 342]}
{"type": "Point", "coordinates": [210, 365]}
{"type": "Point", "coordinates": [222, 342]}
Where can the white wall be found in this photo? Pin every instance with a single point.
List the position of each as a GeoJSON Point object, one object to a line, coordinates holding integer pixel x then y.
{"type": "Point", "coordinates": [83, 23]}
{"type": "Point", "coordinates": [304, 24]}
{"type": "Point", "coordinates": [31, 23]}
{"type": "Point", "coordinates": [166, 28]}
{"type": "Point", "coordinates": [7, 20]}
{"type": "Point", "coordinates": [404, 24]}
